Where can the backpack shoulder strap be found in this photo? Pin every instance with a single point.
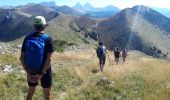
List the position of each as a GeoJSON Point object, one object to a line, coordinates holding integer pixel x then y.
{"type": "Point", "coordinates": [44, 36]}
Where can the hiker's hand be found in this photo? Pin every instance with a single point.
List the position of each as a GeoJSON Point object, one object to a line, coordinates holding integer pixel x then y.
{"type": "Point", "coordinates": [32, 78]}
{"type": "Point", "coordinates": [39, 76]}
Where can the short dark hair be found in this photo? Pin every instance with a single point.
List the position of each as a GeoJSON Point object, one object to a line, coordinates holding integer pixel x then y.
{"type": "Point", "coordinates": [100, 43]}
{"type": "Point", "coordinates": [39, 27]}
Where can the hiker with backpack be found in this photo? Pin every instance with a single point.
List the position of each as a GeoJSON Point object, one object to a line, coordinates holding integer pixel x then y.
{"type": "Point", "coordinates": [101, 54]}
{"type": "Point", "coordinates": [124, 55]}
{"type": "Point", "coordinates": [117, 55]}
{"type": "Point", "coordinates": [35, 58]}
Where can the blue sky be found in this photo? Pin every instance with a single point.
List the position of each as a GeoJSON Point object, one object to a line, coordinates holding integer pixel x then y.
{"type": "Point", "coordinates": [97, 3]}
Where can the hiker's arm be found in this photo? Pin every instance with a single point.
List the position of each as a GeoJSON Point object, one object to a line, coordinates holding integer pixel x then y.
{"type": "Point", "coordinates": [50, 51]}
{"type": "Point", "coordinates": [22, 61]}
{"type": "Point", "coordinates": [47, 63]}
{"type": "Point", "coordinates": [23, 54]}
{"type": "Point", "coordinates": [106, 51]}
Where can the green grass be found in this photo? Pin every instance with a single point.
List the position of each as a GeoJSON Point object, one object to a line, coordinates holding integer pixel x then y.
{"type": "Point", "coordinates": [13, 87]}
{"type": "Point", "coordinates": [9, 59]}
{"type": "Point", "coordinates": [73, 79]}
{"type": "Point", "coordinates": [135, 86]}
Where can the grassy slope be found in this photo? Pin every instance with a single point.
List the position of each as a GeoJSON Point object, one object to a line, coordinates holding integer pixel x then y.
{"type": "Point", "coordinates": [151, 35]}
{"type": "Point", "coordinates": [74, 78]}
{"type": "Point", "coordinates": [59, 28]}
{"type": "Point", "coordinates": [118, 30]}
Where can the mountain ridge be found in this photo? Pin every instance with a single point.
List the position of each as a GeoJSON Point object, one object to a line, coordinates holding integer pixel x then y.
{"type": "Point", "coordinates": [130, 29]}
{"type": "Point", "coordinates": [89, 7]}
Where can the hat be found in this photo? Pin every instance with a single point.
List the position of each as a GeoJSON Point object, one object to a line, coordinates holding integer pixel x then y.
{"type": "Point", "coordinates": [39, 20]}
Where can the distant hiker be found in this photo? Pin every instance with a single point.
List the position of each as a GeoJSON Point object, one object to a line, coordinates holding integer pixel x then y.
{"type": "Point", "coordinates": [101, 54]}
{"type": "Point", "coordinates": [117, 55]}
{"type": "Point", "coordinates": [124, 55]}
{"type": "Point", "coordinates": [35, 57]}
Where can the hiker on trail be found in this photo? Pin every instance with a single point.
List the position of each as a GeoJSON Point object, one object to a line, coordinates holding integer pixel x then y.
{"type": "Point", "coordinates": [35, 57]}
{"type": "Point", "coordinates": [101, 54]}
{"type": "Point", "coordinates": [124, 55]}
{"type": "Point", "coordinates": [117, 55]}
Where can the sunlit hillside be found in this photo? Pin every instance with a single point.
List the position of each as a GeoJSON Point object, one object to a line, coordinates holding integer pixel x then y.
{"type": "Point", "coordinates": [76, 30]}
{"type": "Point", "coordinates": [133, 28]}
{"type": "Point", "coordinates": [76, 76]}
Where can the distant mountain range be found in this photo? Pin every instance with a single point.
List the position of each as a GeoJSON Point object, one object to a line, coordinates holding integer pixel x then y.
{"type": "Point", "coordinates": [38, 9]}
{"type": "Point", "coordinates": [68, 10]}
{"type": "Point", "coordinates": [138, 28]}
{"type": "Point", "coordinates": [16, 23]}
{"type": "Point", "coordinates": [51, 4]}
{"type": "Point", "coordinates": [94, 11]}
{"type": "Point", "coordinates": [88, 7]}
{"type": "Point", "coordinates": [79, 10]}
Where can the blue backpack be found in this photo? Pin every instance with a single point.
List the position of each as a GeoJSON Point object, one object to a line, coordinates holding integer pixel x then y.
{"type": "Point", "coordinates": [34, 52]}
{"type": "Point", "coordinates": [100, 52]}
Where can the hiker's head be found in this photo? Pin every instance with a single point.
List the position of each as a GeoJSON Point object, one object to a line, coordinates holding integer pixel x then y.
{"type": "Point", "coordinates": [39, 23]}
{"type": "Point", "coordinates": [116, 49]}
{"type": "Point", "coordinates": [100, 43]}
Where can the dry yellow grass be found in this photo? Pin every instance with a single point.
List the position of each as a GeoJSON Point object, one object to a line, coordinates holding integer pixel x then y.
{"type": "Point", "coordinates": [76, 74]}
{"type": "Point", "coordinates": [136, 62]}
{"type": "Point", "coordinates": [152, 70]}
